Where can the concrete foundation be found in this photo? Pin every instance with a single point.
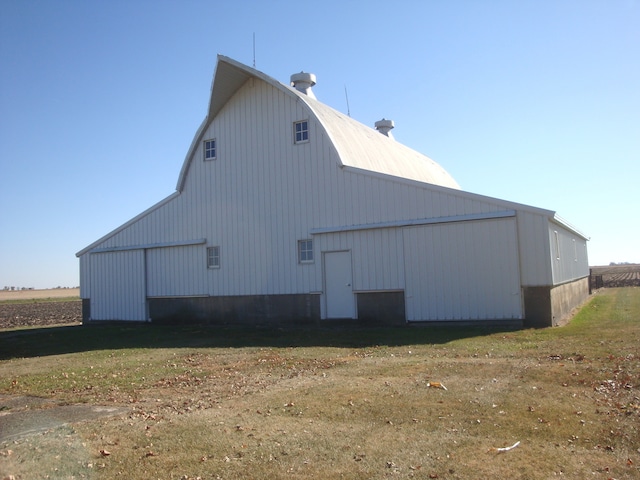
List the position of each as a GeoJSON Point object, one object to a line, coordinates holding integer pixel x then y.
{"type": "Point", "coordinates": [86, 310]}
{"type": "Point", "coordinates": [544, 307]}
{"type": "Point", "coordinates": [565, 298]}
{"type": "Point", "coordinates": [248, 310]}
{"type": "Point", "coordinates": [381, 308]}
{"type": "Point", "coordinates": [552, 306]}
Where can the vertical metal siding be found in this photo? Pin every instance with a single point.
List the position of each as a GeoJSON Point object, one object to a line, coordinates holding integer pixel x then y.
{"type": "Point", "coordinates": [534, 249]}
{"type": "Point", "coordinates": [263, 193]}
{"type": "Point", "coordinates": [177, 271]}
{"type": "Point", "coordinates": [85, 276]}
{"type": "Point", "coordinates": [570, 262]}
{"type": "Point", "coordinates": [462, 271]}
{"type": "Point", "coordinates": [118, 286]}
{"type": "Point", "coordinates": [377, 256]}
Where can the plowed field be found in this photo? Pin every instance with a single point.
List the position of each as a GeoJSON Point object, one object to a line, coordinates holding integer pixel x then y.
{"type": "Point", "coordinates": [618, 275]}
{"type": "Point", "coordinates": [14, 315]}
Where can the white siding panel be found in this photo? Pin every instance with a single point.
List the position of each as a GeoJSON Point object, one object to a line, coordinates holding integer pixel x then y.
{"type": "Point", "coordinates": [177, 271]}
{"type": "Point", "coordinates": [568, 255]}
{"type": "Point", "coordinates": [118, 286]}
{"type": "Point", "coordinates": [534, 249]}
{"type": "Point", "coordinates": [377, 256]}
{"type": "Point", "coordinates": [462, 271]}
{"type": "Point", "coordinates": [85, 276]}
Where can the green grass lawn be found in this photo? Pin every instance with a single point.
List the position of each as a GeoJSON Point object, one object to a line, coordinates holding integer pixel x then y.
{"type": "Point", "coordinates": [212, 402]}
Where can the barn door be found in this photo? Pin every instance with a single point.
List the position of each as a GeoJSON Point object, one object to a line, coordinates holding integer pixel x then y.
{"type": "Point", "coordinates": [338, 281]}
{"type": "Point", "coordinates": [118, 286]}
{"type": "Point", "coordinates": [463, 271]}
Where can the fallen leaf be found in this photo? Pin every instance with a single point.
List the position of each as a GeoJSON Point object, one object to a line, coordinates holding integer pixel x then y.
{"type": "Point", "coordinates": [436, 385]}
{"type": "Point", "coordinates": [105, 453]}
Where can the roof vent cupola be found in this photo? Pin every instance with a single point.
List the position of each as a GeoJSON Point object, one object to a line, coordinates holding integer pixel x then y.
{"type": "Point", "coordinates": [385, 126]}
{"type": "Point", "coordinates": [303, 82]}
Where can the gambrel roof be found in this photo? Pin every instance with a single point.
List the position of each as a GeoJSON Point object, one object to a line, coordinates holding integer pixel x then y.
{"type": "Point", "coordinates": [358, 146]}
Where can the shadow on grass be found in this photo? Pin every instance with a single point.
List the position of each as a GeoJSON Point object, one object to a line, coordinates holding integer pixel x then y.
{"type": "Point", "coordinates": [78, 338]}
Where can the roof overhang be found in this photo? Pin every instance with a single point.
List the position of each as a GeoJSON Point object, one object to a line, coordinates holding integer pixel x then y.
{"type": "Point", "coordinates": [563, 223]}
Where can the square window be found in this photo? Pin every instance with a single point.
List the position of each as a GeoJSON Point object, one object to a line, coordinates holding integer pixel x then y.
{"type": "Point", "coordinates": [210, 149]}
{"type": "Point", "coordinates": [301, 131]}
{"type": "Point", "coordinates": [213, 257]}
{"type": "Point", "coordinates": [305, 251]}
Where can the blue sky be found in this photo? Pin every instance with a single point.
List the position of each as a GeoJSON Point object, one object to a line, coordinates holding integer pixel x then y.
{"type": "Point", "coordinates": [536, 102]}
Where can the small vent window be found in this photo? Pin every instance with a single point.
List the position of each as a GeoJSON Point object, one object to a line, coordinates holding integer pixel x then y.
{"type": "Point", "coordinates": [556, 238]}
{"type": "Point", "coordinates": [213, 257]}
{"type": "Point", "coordinates": [301, 131]}
{"type": "Point", "coordinates": [305, 251]}
{"type": "Point", "coordinates": [210, 149]}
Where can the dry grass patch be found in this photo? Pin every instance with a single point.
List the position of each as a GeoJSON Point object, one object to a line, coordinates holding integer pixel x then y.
{"type": "Point", "coordinates": [51, 294]}
{"type": "Point", "coordinates": [371, 409]}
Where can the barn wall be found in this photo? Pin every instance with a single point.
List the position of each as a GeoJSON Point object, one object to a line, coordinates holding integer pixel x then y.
{"type": "Point", "coordinates": [177, 271]}
{"type": "Point", "coordinates": [566, 297]}
{"type": "Point", "coordinates": [569, 259]}
{"type": "Point", "coordinates": [377, 256]}
{"type": "Point", "coordinates": [118, 286]}
{"type": "Point", "coordinates": [534, 249]}
{"type": "Point", "coordinates": [463, 271]}
{"type": "Point", "coordinates": [263, 193]}
{"type": "Point", "coordinates": [237, 310]}
{"type": "Point", "coordinates": [550, 306]}
{"type": "Point", "coordinates": [85, 276]}
{"type": "Point", "coordinates": [381, 308]}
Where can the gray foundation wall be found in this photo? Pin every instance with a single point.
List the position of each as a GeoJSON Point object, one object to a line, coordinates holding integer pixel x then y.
{"type": "Point", "coordinates": [374, 308]}
{"type": "Point", "coordinates": [86, 310]}
{"type": "Point", "coordinates": [565, 298]}
{"type": "Point", "coordinates": [250, 310]}
{"type": "Point", "coordinates": [381, 308]}
{"type": "Point", "coordinates": [552, 306]}
{"type": "Point", "coordinates": [544, 307]}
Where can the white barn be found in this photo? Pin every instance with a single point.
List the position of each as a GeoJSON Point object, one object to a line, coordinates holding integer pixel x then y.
{"type": "Point", "coordinates": [286, 210]}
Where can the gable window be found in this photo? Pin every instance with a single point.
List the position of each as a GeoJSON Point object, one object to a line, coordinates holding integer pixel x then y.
{"type": "Point", "coordinates": [213, 257]}
{"type": "Point", "coordinates": [305, 251]}
{"type": "Point", "coordinates": [210, 149]}
{"type": "Point", "coordinates": [301, 131]}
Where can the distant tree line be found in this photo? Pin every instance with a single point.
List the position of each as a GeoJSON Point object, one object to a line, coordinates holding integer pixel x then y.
{"type": "Point", "coordinates": [15, 289]}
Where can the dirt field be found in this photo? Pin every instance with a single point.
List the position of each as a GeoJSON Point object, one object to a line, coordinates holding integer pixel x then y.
{"type": "Point", "coordinates": [618, 275]}
{"type": "Point", "coordinates": [14, 315]}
